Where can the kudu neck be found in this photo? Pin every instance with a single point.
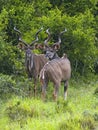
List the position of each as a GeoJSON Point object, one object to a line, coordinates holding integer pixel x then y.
{"type": "Point", "coordinates": [55, 56]}
{"type": "Point", "coordinates": [29, 63]}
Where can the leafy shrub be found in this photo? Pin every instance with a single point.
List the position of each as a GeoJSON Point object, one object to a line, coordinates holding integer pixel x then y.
{"type": "Point", "coordinates": [10, 59]}
{"type": "Point", "coordinates": [96, 91]}
{"type": "Point", "coordinates": [95, 116]}
{"type": "Point", "coordinates": [10, 85]}
{"type": "Point", "coordinates": [6, 85]}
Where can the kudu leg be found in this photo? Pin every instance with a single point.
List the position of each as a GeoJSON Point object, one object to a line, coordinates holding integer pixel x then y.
{"type": "Point", "coordinates": [30, 88]}
{"type": "Point", "coordinates": [34, 90]}
{"type": "Point", "coordinates": [44, 86]}
{"type": "Point", "coordinates": [56, 90]}
{"type": "Point", "coordinates": [35, 87]}
{"type": "Point", "coordinates": [65, 89]}
{"type": "Point", "coordinates": [43, 92]}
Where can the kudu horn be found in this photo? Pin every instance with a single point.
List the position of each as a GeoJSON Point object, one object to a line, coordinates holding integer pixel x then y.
{"type": "Point", "coordinates": [59, 37]}
{"type": "Point", "coordinates": [46, 41]}
{"type": "Point", "coordinates": [17, 30]}
{"type": "Point", "coordinates": [20, 36]}
{"type": "Point", "coordinates": [36, 36]}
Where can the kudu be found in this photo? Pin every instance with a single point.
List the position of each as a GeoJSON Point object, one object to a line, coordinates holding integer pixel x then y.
{"type": "Point", "coordinates": [57, 70]}
{"type": "Point", "coordinates": [51, 51]}
{"type": "Point", "coordinates": [33, 62]}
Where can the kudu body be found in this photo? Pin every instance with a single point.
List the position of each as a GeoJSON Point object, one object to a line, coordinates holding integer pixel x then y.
{"type": "Point", "coordinates": [57, 70]}
{"type": "Point", "coordinates": [33, 62]}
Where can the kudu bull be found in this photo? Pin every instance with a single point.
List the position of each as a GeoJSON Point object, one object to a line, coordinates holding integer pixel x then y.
{"type": "Point", "coordinates": [57, 70]}
{"type": "Point", "coordinates": [33, 62]}
{"type": "Point", "coordinates": [51, 51]}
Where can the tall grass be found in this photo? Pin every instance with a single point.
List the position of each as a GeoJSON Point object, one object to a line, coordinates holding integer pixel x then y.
{"type": "Point", "coordinates": [79, 112]}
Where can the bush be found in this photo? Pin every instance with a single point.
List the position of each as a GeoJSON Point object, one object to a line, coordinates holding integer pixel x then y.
{"type": "Point", "coordinates": [96, 91]}
{"type": "Point", "coordinates": [10, 85]}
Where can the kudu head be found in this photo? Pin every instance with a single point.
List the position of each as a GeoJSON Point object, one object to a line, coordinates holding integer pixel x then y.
{"type": "Point", "coordinates": [51, 51]}
{"type": "Point", "coordinates": [27, 47]}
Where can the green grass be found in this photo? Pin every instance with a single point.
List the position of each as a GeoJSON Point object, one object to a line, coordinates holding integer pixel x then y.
{"type": "Point", "coordinates": [79, 112]}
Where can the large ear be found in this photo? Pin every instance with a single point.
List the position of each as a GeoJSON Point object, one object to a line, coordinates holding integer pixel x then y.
{"type": "Point", "coordinates": [21, 46]}
{"type": "Point", "coordinates": [38, 46]}
{"type": "Point", "coordinates": [64, 55]}
{"type": "Point", "coordinates": [56, 46]}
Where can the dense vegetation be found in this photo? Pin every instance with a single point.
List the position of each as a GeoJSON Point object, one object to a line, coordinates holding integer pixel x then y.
{"type": "Point", "coordinates": [80, 42]}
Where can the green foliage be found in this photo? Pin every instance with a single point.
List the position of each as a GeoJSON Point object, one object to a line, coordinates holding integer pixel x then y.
{"type": "Point", "coordinates": [80, 42]}
{"type": "Point", "coordinates": [87, 121]}
{"type": "Point", "coordinates": [63, 106]}
{"type": "Point", "coordinates": [7, 85]}
{"type": "Point", "coordinates": [96, 91]}
{"type": "Point", "coordinates": [9, 58]}
{"type": "Point", "coordinates": [79, 17]}
{"type": "Point", "coordinates": [67, 125]}
{"type": "Point", "coordinates": [13, 85]}
{"type": "Point", "coordinates": [82, 123]}
{"type": "Point", "coordinates": [3, 20]}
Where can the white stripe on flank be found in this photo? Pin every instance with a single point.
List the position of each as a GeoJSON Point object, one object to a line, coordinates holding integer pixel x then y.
{"type": "Point", "coordinates": [43, 77]}
{"type": "Point", "coordinates": [42, 73]}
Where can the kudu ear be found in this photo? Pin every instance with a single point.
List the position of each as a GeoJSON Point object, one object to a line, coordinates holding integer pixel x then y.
{"type": "Point", "coordinates": [56, 46]}
{"type": "Point", "coordinates": [64, 55]}
{"type": "Point", "coordinates": [21, 46]}
{"type": "Point", "coordinates": [38, 46]}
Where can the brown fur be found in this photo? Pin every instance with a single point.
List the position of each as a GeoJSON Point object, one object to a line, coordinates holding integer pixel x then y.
{"type": "Point", "coordinates": [33, 71]}
{"type": "Point", "coordinates": [56, 71]}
